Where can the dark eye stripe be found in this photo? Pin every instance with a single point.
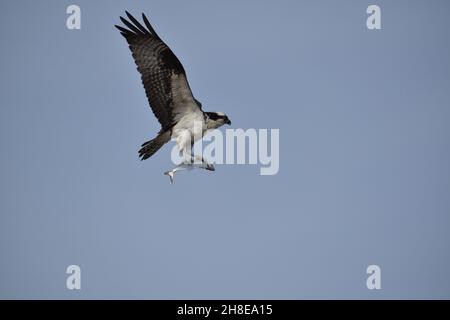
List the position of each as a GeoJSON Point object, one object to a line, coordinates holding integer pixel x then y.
{"type": "Point", "coordinates": [214, 116]}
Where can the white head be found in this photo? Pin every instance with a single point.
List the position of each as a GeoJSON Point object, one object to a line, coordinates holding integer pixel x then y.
{"type": "Point", "coordinates": [216, 119]}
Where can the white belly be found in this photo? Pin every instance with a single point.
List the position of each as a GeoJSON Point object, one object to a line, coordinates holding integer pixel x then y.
{"type": "Point", "coordinates": [189, 129]}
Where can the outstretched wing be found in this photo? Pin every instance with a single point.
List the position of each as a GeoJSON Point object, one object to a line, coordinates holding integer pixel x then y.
{"type": "Point", "coordinates": [163, 75]}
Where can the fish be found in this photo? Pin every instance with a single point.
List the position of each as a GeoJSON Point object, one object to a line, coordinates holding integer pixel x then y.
{"type": "Point", "coordinates": [189, 166]}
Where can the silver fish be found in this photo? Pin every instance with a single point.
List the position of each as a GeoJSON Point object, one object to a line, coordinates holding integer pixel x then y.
{"type": "Point", "coordinates": [189, 165]}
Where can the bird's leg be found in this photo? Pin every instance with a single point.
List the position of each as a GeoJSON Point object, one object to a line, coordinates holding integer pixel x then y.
{"type": "Point", "coordinates": [190, 158]}
{"type": "Point", "coordinates": [184, 143]}
{"type": "Point", "coordinates": [193, 157]}
{"type": "Point", "coordinates": [186, 147]}
{"type": "Point", "coordinates": [199, 160]}
{"type": "Point", "coordinates": [205, 164]}
{"type": "Point", "coordinates": [187, 155]}
{"type": "Point", "coordinates": [208, 166]}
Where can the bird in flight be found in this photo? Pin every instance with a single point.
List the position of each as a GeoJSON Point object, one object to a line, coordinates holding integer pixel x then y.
{"type": "Point", "coordinates": [168, 91]}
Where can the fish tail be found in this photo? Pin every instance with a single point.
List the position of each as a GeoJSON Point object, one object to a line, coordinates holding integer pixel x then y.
{"type": "Point", "coordinates": [171, 175]}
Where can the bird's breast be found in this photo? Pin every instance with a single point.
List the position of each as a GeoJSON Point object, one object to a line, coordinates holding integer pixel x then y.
{"type": "Point", "coordinates": [192, 123]}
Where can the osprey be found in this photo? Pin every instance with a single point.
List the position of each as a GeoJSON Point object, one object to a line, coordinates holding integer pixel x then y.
{"type": "Point", "coordinates": [168, 92]}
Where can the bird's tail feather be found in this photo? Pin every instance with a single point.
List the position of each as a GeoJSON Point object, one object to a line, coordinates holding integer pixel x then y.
{"type": "Point", "coordinates": [150, 147]}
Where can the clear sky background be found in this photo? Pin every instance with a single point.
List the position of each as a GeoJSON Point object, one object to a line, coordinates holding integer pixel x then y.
{"type": "Point", "coordinates": [364, 169]}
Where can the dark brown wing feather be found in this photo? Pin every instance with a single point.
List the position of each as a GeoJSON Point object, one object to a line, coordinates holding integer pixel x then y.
{"type": "Point", "coordinates": [163, 75]}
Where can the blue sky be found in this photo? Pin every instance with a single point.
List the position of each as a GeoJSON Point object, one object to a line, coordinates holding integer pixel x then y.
{"type": "Point", "coordinates": [364, 153]}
